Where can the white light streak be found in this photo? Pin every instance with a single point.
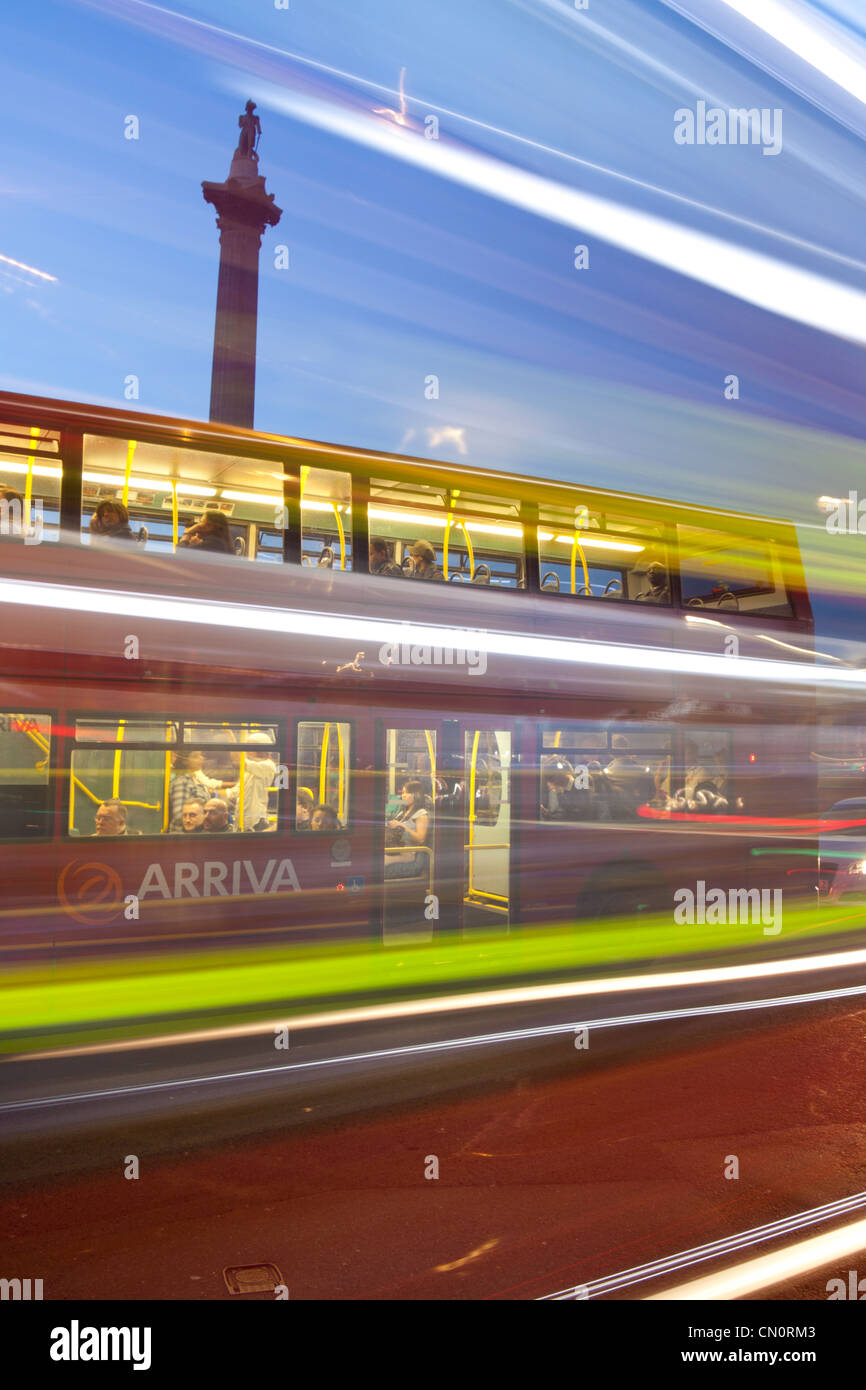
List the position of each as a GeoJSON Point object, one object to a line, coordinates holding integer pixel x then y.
{"type": "Point", "coordinates": [295, 622]}
{"type": "Point", "coordinates": [525, 994]}
{"type": "Point", "coordinates": [777, 1268]}
{"type": "Point", "coordinates": [31, 270]}
{"type": "Point", "coordinates": [656, 1269]}
{"type": "Point", "coordinates": [749, 275]}
{"type": "Point", "coordinates": [809, 37]}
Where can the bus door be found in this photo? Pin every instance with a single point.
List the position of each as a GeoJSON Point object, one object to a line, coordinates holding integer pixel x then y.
{"type": "Point", "coordinates": [487, 827]}
{"type": "Point", "coordinates": [410, 797]}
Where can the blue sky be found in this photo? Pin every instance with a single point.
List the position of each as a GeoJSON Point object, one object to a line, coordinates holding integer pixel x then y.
{"type": "Point", "coordinates": [399, 268]}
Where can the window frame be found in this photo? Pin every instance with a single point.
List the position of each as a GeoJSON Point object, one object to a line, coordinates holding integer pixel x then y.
{"type": "Point", "coordinates": [150, 745]}
{"type": "Point", "coordinates": [291, 810]}
{"type": "Point", "coordinates": [54, 738]}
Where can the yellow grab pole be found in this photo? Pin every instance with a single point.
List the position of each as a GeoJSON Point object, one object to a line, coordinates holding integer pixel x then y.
{"type": "Point", "coordinates": [166, 791]}
{"type": "Point", "coordinates": [28, 486]}
{"type": "Point", "coordinates": [341, 773]}
{"type": "Point", "coordinates": [431, 750]}
{"type": "Point", "coordinates": [130, 452]}
{"type": "Point", "coordinates": [342, 535]}
{"type": "Point", "coordinates": [323, 763]}
{"type": "Point", "coordinates": [115, 781]}
{"type": "Point", "coordinates": [577, 549]}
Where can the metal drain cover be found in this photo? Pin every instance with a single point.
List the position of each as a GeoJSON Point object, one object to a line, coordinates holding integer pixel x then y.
{"type": "Point", "coordinates": [252, 1278]}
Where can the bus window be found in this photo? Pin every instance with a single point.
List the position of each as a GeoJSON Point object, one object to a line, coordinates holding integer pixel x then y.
{"type": "Point", "coordinates": [487, 848]}
{"type": "Point", "coordinates": [604, 774]}
{"type": "Point", "coordinates": [164, 491]}
{"type": "Point", "coordinates": [326, 518]}
{"type": "Point", "coordinates": [173, 777]}
{"type": "Point", "coordinates": [324, 761]}
{"type": "Point", "coordinates": [411, 789]}
{"type": "Point", "coordinates": [25, 775]}
{"type": "Point", "coordinates": [410, 801]}
{"type": "Point", "coordinates": [30, 474]}
{"type": "Point", "coordinates": [733, 573]}
{"type": "Point", "coordinates": [475, 539]}
{"type": "Point", "coordinates": [599, 554]}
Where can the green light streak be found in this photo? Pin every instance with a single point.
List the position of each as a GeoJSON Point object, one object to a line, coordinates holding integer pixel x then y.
{"type": "Point", "coordinates": [110, 999]}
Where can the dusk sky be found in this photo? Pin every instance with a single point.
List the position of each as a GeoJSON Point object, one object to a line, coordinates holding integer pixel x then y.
{"type": "Point", "coordinates": [455, 256]}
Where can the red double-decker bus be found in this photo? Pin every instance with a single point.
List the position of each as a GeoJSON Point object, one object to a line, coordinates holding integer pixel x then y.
{"type": "Point", "coordinates": [407, 697]}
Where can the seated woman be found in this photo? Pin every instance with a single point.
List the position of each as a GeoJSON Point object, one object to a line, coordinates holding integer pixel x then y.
{"type": "Point", "coordinates": [210, 532]}
{"type": "Point", "coordinates": [410, 827]}
{"type": "Point", "coordinates": [110, 522]}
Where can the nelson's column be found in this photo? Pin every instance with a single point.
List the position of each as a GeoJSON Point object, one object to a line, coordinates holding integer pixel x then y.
{"type": "Point", "coordinates": [244, 209]}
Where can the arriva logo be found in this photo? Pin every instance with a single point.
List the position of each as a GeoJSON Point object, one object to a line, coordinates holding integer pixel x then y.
{"type": "Point", "coordinates": [92, 892]}
{"type": "Point", "coordinates": [209, 880]}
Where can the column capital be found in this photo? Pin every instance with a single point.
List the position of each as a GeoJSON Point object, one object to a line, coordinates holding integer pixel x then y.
{"type": "Point", "coordinates": [242, 204]}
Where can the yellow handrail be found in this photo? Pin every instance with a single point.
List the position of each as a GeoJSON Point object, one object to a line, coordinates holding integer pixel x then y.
{"type": "Point", "coordinates": [28, 486]}
{"type": "Point", "coordinates": [471, 553]}
{"type": "Point", "coordinates": [173, 514]}
{"type": "Point", "coordinates": [130, 452]}
{"type": "Point", "coordinates": [342, 535]}
{"type": "Point", "coordinates": [431, 750]}
{"type": "Point", "coordinates": [115, 780]}
{"type": "Point", "coordinates": [341, 773]}
{"type": "Point", "coordinates": [166, 792]}
{"type": "Point", "coordinates": [323, 763]}
{"type": "Point", "coordinates": [417, 849]}
{"type": "Point", "coordinates": [577, 549]}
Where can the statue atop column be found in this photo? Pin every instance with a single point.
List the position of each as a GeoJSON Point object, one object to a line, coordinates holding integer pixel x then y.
{"type": "Point", "coordinates": [251, 131]}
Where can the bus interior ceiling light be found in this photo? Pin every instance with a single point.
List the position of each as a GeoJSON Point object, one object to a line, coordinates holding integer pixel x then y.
{"type": "Point", "coordinates": [296, 622]}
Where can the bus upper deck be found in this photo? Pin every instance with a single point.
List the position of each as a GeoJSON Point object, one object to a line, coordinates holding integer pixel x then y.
{"type": "Point", "coordinates": [287, 502]}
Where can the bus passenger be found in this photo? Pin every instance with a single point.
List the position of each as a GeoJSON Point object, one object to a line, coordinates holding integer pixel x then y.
{"type": "Point", "coordinates": [110, 522]}
{"type": "Point", "coordinates": [259, 772]}
{"type": "Point", "coordinates": [216, 817]}
{"type": "Point", "coordinates": [325, 818]}
{"type": "Point", "coordinates": [659, 590]}
{"type": "Point", "coordinates": [304, 804]}
{"type": "Point", "coordinates": [626, 787]}
{"type": "Point", "coordinates": [563, 800]}
{"type": "Point", "coordinates": [407, 829]}
{"type": "Point", "coordinates": [188, 783]}
{"type": "Point", "coordinates": [192, 817]}
{"type": "Point", "coordinates": [110, 818]}
{"type": "Point", "coordinates": [424, 562]}
{"type": "Point", "coordinates": [211, 532]}
{"type": "Point", "coordinates": [380, 560]}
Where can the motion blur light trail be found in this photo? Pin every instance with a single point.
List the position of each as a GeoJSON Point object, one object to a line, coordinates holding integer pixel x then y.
{"type": "Point", "coordinates": [656, 1269]}
{"type": "Point", "coordinates": [414, 1049]}
{"type": "Point", "coordinates": [777, 1268]}
{"type": "Point", "coordinates": [56, 1005]}
{"type": "Point", "coordinates": [295, 622]}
